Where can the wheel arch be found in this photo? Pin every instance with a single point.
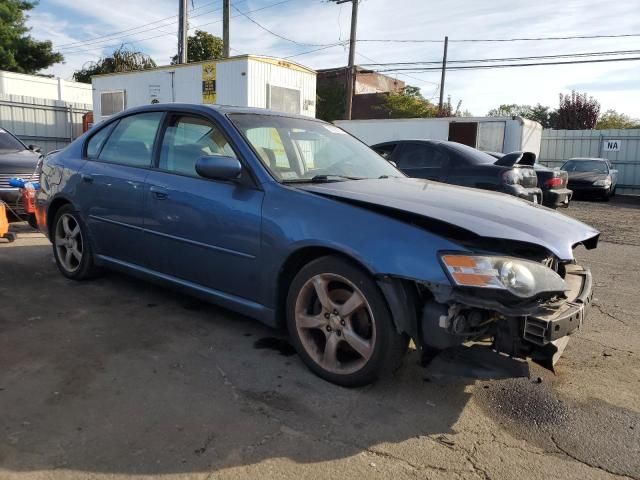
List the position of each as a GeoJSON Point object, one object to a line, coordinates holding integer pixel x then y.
{"type": "Point", "coordinates": [298, 259]}
{"type": "Point", "coordinates": [396, 292]}
{"type": "Point", "coordinates": [55, 205]}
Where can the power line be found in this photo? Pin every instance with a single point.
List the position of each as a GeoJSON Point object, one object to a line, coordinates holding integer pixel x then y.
{"type": "Point", "coordinates": [509, 59]}
{"type": "Point", "coordinates": [107, 37]}
{"type": "Point", "coordinates": [511, 65]}
{"type": "Point", "coordinates": [98, 42]}
{"type": "Point", "coordinates": [521, 39]}
{"type": "Point", "coordinates": [166, 34]}
{"type": "Point", "coordinates": [282, 37]}
{"type": "Point", "coordinates": [339, 44]}
{"type": "Point", "coordinates": [403, 74]}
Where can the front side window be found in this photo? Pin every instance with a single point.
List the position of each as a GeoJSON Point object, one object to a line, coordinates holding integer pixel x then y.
{"type": "Point", "coordinates": [131, 142]}
{"type": "Point", "coordinates": [301, 150]}
{"type": "Point", "coordinates": [186, 140]}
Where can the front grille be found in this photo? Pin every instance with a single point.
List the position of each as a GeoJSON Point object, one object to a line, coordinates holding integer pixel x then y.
{"type": "Point", "coordinates": [5, 177]}
{"type": "Point", "coordinates": [580, 183]}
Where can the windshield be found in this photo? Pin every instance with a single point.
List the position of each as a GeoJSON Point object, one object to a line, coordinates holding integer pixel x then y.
{"type": "Point", "coordinates": [9, 142]}
{"type": "Point", "coordinates": [585, 166]}
{"type": "Point", "coordinates": [299, 150]}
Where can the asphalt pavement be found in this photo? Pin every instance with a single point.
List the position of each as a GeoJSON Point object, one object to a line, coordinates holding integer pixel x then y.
{"type": "Point", "coordinates": [116, 378]}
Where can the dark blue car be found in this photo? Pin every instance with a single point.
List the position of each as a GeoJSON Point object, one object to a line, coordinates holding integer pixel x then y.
{"type": "Point", "coordinates": [292, 221]}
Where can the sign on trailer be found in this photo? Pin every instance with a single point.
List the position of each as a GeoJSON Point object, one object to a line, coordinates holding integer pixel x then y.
{"type": "Point", "coordinates": [612, 145]}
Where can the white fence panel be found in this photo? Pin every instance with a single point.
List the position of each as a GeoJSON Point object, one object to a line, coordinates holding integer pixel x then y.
{"type": "Point", "coordinates": [50, 124]}
{"type": "Point", "coordinates": [621, 147]}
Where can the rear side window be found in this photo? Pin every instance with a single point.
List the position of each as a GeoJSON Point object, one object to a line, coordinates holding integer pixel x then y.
{"type": "Point", "coordinates": [131, 142]}
{"type": "Point", "coordinates": [416, 155]}
{"type": "Point", "coordinates": [95, 143]}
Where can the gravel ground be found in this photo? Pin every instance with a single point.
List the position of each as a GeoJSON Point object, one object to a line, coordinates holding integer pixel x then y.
{"type": "Point", "coordinates": [617, 219]}
{"type": "Point", "coordinates": [118, 379]}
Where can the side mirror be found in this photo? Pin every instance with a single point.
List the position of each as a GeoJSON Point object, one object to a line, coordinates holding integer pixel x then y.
{"type": "Point", "coordinates": [218, 167]}
{"type": "Point", "coordinates": [35, 148]}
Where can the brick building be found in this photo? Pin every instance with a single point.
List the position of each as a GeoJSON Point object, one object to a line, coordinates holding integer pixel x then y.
{"type": "Point", "coordinates": [369, 93]}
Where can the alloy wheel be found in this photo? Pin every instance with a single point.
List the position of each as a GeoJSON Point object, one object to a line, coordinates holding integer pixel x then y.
{"type": "Point", "coordinates": [335, 323]}
{"type": "Point", "coordinates": [68, 243]}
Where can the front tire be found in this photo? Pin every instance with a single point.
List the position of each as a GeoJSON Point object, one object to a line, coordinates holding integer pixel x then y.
{"type": "Point", "coordinates": [71, 245]}
{"type": "Point", "coordinates": [340, 324]}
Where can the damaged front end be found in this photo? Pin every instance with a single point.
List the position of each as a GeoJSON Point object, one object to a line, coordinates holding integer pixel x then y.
{"type": "Point", "coordinates": [537, 329]}
{"type": "Point", "coordinates": [525, 308]}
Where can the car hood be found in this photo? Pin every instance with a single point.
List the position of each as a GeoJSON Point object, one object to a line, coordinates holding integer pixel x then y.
{"type": "Point", "coordinates": [18, 161]}
{"type": "Point", "coordinates": [587, 176]}
{"type": "Point", "coordinates": [487, 214]}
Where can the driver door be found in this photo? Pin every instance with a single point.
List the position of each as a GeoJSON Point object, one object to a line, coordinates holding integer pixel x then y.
{"type": "Point", "coordinates": [201, 230]}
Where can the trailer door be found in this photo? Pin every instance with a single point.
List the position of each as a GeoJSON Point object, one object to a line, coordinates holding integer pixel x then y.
{"type": "Point", "coordinates": [464, 132]}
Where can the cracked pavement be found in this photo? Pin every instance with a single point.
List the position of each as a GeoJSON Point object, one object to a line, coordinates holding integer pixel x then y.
{"type": "Point", "coordinates": [118, 379]}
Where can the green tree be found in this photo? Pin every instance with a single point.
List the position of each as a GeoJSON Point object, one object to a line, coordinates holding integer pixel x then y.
{"type": "Point", "coordinates": [538, 113]}
{"type": "Point", "coordinates": [121, 60]}
{"type": "Point", "coordinates": [19, 52]}
{"type": "Point", "coordinates": [330, 101]}
{"type": "Point", "coordinates": [577, 111]}
{"type": "Point", "coordinates": [202, 46]}
{"type": "Point", "coordinates": [511, 110]}
{"type": "Point", "coordinates": [613, 119]}
{"type": "Point", "coordinates": [409, 103]}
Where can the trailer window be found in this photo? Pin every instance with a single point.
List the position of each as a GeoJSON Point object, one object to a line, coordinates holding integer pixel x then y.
{"type": "Point", "coordinates": [283, 99]}
{"type": "Point", "coordinates": [111, 103]}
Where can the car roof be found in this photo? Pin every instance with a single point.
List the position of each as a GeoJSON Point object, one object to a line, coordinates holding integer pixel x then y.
{"type": "Point", "coordinates": [220, 109]}
{"type": "Point", "coordinates": [590, 158]}
{"type": "Point", "coordinates": [416, 140]}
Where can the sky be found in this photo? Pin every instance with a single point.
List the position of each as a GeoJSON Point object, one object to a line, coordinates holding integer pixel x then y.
{"type": "Point", "coordinates": [83, 30]}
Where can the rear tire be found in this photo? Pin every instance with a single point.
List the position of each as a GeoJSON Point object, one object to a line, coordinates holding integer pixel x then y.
{"type": "Point", "coordinates": [340, 324]}
{"type": "Point", "coordinates": [71, 245]}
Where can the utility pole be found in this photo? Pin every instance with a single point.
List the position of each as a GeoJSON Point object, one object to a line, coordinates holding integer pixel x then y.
{"type": "Point", "coordinates": [351, 72]}
{"type": "Point", "coordinates": [225, 28]}
{"type": "Point", "coordinates": [444, 71]}
{"type": "Point", "coordinates": [183, 28]}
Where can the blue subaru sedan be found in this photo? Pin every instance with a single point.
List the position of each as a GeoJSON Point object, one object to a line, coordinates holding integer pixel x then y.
{"type": "Point", "coordinates": [292, 221]}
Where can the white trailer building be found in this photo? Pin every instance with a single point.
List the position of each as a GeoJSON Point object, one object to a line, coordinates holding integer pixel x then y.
{"type": "Point", "coordinates": [246, 81]}
{"type": "Point", "coordinates": [494, 134]}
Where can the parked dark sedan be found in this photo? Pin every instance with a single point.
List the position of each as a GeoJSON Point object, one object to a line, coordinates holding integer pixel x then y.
{"type": "Point", "coordinates": [16, 160]}
{"type": "Point", "coordinates": [592, 177]}
{"type": "Point", "coordinates": [291, 221]}
{"type": "Point", "coordinates": [458, 164]}
{"type": "Point", "coordinates": [553, 183]}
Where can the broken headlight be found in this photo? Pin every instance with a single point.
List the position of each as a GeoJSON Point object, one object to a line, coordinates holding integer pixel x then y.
{"type": "Point", "coordinates": [521, 278]}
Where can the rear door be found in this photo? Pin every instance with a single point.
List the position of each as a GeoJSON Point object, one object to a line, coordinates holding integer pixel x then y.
{"type": "Point", "coordinates": [110, 192]}
{"type": "Point", "coordinates": [421, 160]}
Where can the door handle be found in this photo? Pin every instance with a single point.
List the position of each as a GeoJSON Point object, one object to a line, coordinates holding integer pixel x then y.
{"type": "Point", "coordinates": [159, 192]}
{"type": "Point", "coordinates": [86, 178]}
